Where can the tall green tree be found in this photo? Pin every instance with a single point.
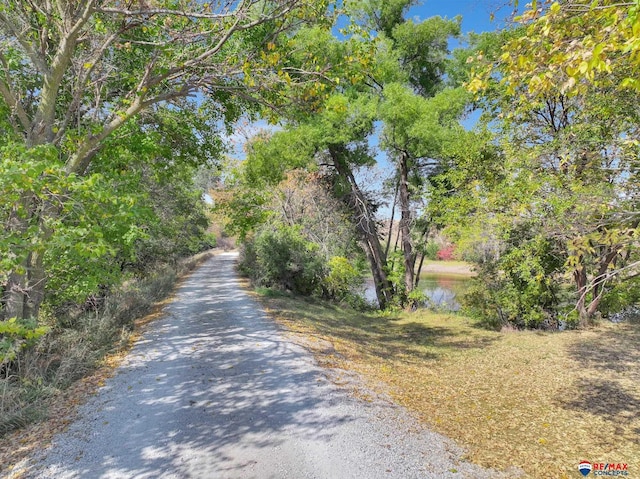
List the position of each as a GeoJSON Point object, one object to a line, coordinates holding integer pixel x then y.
{"type": "Point", "coordinates": [412, 125]}
{"type": "Point", "coordinates": [396, 72]}
{"type": "Point", "coordinates": [74, 73]}
{"type": "Point", "coordinates": [414, 134]}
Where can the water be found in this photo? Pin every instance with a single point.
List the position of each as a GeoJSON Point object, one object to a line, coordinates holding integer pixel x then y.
{"type": "Point", "coordinates": [441, 289]}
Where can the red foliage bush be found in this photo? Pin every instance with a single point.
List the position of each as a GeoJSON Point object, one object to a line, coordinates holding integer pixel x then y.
{"type": "Point", "coordinates": [446, 253]}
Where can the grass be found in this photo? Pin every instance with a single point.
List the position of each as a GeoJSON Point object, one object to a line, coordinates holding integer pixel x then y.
{"type": "Point", "coordinates": [451, 262]}
{"type": "Point", "coordinates": [450, 266]}
{"type": "Point", "coordinates": [539, 401]}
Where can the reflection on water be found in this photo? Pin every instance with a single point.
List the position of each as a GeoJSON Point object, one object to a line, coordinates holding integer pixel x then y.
{"type": "Point", "coordinates": [442, 290]}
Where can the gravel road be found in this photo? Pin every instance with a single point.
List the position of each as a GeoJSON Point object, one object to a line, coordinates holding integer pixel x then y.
{"type": "Point", "coordinates": [214, 390]}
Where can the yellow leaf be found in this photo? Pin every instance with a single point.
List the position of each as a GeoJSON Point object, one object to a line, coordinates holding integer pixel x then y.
{"type": "Point", "coordinates": [583, 67]}
{"type": "Point", "coordinates": [597, 51]}
{"type": "Point", "coordinates": [636, 27]}
{"type": "Point", "coordinates": [475, 85]}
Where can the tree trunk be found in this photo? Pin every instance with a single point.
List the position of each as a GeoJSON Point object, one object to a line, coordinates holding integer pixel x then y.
{"type": "Point", "coordinates": [366, 228]}
{"type": "Point", "coordinates": [415, 285]}
{"type": "Point", "coordinates": [405, 224]}
{"type": "Point", "coordinates": [607, 259]}
{"type": "Point", "coordinates": [393, 215]}
{"type": "Point", "coordinates": [35, 285]}
{"type": "Point", "coordinates": [24, 291]}
{"type": "Point", "coordinates": [378, 279]}
{"type": "Point", "coordinates": [580, 278]}
{"type": "Point", "coordinates": [423, 238]}
{"type": "Point", "coordinates": [14, 296]}
{"type": "Point", "coordinates": [15, 292]}
{"type": "Point", "coordinates": [588, 309]}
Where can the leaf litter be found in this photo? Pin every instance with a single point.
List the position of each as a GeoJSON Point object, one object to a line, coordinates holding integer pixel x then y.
{"type": "Point", "coordinates": [540, 401]}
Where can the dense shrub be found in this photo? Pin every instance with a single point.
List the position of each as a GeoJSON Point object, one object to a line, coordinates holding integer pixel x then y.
{"type": "Point", "coordinates": [622, 296]}
{"type": "Point", "coordinates": [431, 250]}
{"type": "Point", "coordinates": [519, 290]}
{"type": "Point", "coordinates": [285, 259]}
{"type": "Point", "coordinates": [343, 280]}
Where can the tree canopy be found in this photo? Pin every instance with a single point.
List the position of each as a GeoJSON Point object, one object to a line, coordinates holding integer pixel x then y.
{"type": "Point", "coordinates": [108, 110]}
{"type": "Point", "coordinates": [76, 74]}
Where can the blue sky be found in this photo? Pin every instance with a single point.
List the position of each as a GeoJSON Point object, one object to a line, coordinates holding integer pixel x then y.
{"type": "Point", "coordinates": [476, 14]}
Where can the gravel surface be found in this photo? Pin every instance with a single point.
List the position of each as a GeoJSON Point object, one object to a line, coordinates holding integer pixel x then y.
{"type": "Point", "coordinates": [214, 390]}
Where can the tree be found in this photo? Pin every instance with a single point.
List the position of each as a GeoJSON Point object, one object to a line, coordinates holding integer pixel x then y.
{"type": "Point", "coordinates": [571, 45]}
{"type": "Point", "coordinates": [332, 141]}
{"type": "Point", "coordinates": [413, 126]}
{"type": "Point", "coordinates": [334, 134]}
{"type": "Point", "coordinates": [137, 209]}
{"type": "Point", "coordinates": [568, 125]}
{"type": "Point", "coordinates": [73, 73]}
{"type": "Point", "coordinates": [415, 131]}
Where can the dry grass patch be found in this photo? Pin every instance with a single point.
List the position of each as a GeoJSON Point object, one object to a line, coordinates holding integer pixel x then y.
{"type": "Point", "coordinates": [539, 401]}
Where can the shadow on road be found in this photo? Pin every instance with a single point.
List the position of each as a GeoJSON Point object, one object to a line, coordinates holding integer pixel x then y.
{"type": "Point", "coordinates": [212, 373]}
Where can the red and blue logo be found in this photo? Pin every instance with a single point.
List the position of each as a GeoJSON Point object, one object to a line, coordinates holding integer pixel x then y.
{"type": "Point", "coordinates": [584, 467]}
{"type": "Point", "coordinates": [604, 468]}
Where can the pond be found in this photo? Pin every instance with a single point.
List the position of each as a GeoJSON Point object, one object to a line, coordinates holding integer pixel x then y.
{"type": "Point", "coordinates": [441, 289]}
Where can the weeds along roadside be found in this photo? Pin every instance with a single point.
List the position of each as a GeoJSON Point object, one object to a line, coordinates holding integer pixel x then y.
{"type": "Point", "coordinates": [67, 353]}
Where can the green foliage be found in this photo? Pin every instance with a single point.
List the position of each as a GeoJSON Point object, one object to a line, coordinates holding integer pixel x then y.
{"type": "Point", "coordinates": [623, 295]}
{"type": "Point", "coordinates": [15, 335]}
{"type": "Point", "coordinates": [95, 219]}
{"type": "Point", "coordinates": [569, 48]}
{"type": "Point", "coordinates": [103, 164]}
{"type": "Point", "coordinates": [285, 259]}
{"type": "Point", "coordinates": [25, 172]}
{"type": "Point", "coordinates": [139, 208]}
{"type": "Point", "coordinates": [381, 15]}
{"type": "Point", "coordinates": [417, 298]}
{"type": "Point", "coordinates": [305, 238]}
{"type": "Point", "coordinates": [421, 127]}
{"type": "Point", "coordinates": [343, 280]}
{"type": "Point", "coordinates": [269, 157]}
{"type": "Point", "coordinates": [520, 289]}
{"type": "Point", "coordinates": [431, 250]}
{"type": "Point", "coordinates": [542, 197]}
{"type": "Point", "coordinates": [423, 51]}
{"type": "Point", "coordinates": [395, 275]}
